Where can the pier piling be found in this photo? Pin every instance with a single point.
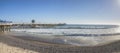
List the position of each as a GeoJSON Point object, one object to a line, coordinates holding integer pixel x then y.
{"type": "Point", "coordinates": [5, 27]}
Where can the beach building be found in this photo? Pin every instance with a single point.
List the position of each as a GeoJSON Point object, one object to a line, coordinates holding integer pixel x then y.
{"type": "Point", "coordinates": [5, 26]}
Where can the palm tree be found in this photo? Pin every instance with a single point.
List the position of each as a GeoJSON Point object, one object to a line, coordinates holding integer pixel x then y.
{"type": "Point", "coordinates": [33, 21]}
{"type": "Point", "coordinates": [33, 25]}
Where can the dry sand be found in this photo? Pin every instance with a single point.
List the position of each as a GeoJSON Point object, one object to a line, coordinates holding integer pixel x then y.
{"type": "Point", "coordinates": [10, 44]}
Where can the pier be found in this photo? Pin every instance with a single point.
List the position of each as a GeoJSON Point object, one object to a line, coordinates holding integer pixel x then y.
{"type": "Point", "coordinates": [35, 25]}
{"type": "Point", "coordinates": [5, 27]}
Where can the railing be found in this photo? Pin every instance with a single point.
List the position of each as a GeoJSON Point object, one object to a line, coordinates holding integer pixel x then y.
{"type": "Point", "coordinates": [5, 23]}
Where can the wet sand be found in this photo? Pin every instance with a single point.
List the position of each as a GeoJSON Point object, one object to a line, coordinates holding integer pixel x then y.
{"type": "Point", "coordinates": [11, 44]}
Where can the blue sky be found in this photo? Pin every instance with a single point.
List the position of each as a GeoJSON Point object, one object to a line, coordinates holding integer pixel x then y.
{"type": "Point", "coordinates": [55, 11]}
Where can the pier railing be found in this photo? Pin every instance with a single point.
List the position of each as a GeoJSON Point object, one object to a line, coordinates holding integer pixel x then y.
{"type": "Point", "coordinates": [5, 23]}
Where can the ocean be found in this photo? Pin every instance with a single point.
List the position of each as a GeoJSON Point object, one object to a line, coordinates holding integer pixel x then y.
{"type": "Point", "coordinates": [83, 35]}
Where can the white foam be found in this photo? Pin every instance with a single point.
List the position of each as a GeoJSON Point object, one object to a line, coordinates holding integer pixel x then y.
{"type": "Point", "coordinates": [68, 31]}
{"type": "Point", "coordinates": [48, 35]}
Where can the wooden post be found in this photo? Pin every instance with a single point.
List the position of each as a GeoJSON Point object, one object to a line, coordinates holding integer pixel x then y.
{"type": "Point", "coordinates": [4, 28]}
{"type": "Point", "coordinates": [0, 28]}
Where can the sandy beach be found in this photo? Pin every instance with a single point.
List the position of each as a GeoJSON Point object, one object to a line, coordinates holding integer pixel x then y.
{"type": "Point", "coordinates": [11, 44]}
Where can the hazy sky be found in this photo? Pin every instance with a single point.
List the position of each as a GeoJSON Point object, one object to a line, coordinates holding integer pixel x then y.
{"type": "Point", "coordinates": [55, 11]}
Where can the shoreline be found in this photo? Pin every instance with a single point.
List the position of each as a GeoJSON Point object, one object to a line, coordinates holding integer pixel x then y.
{"type": "Point", "coordinates": [60, 40]}
{"type": "Point", "coordinates": [40, 47]}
